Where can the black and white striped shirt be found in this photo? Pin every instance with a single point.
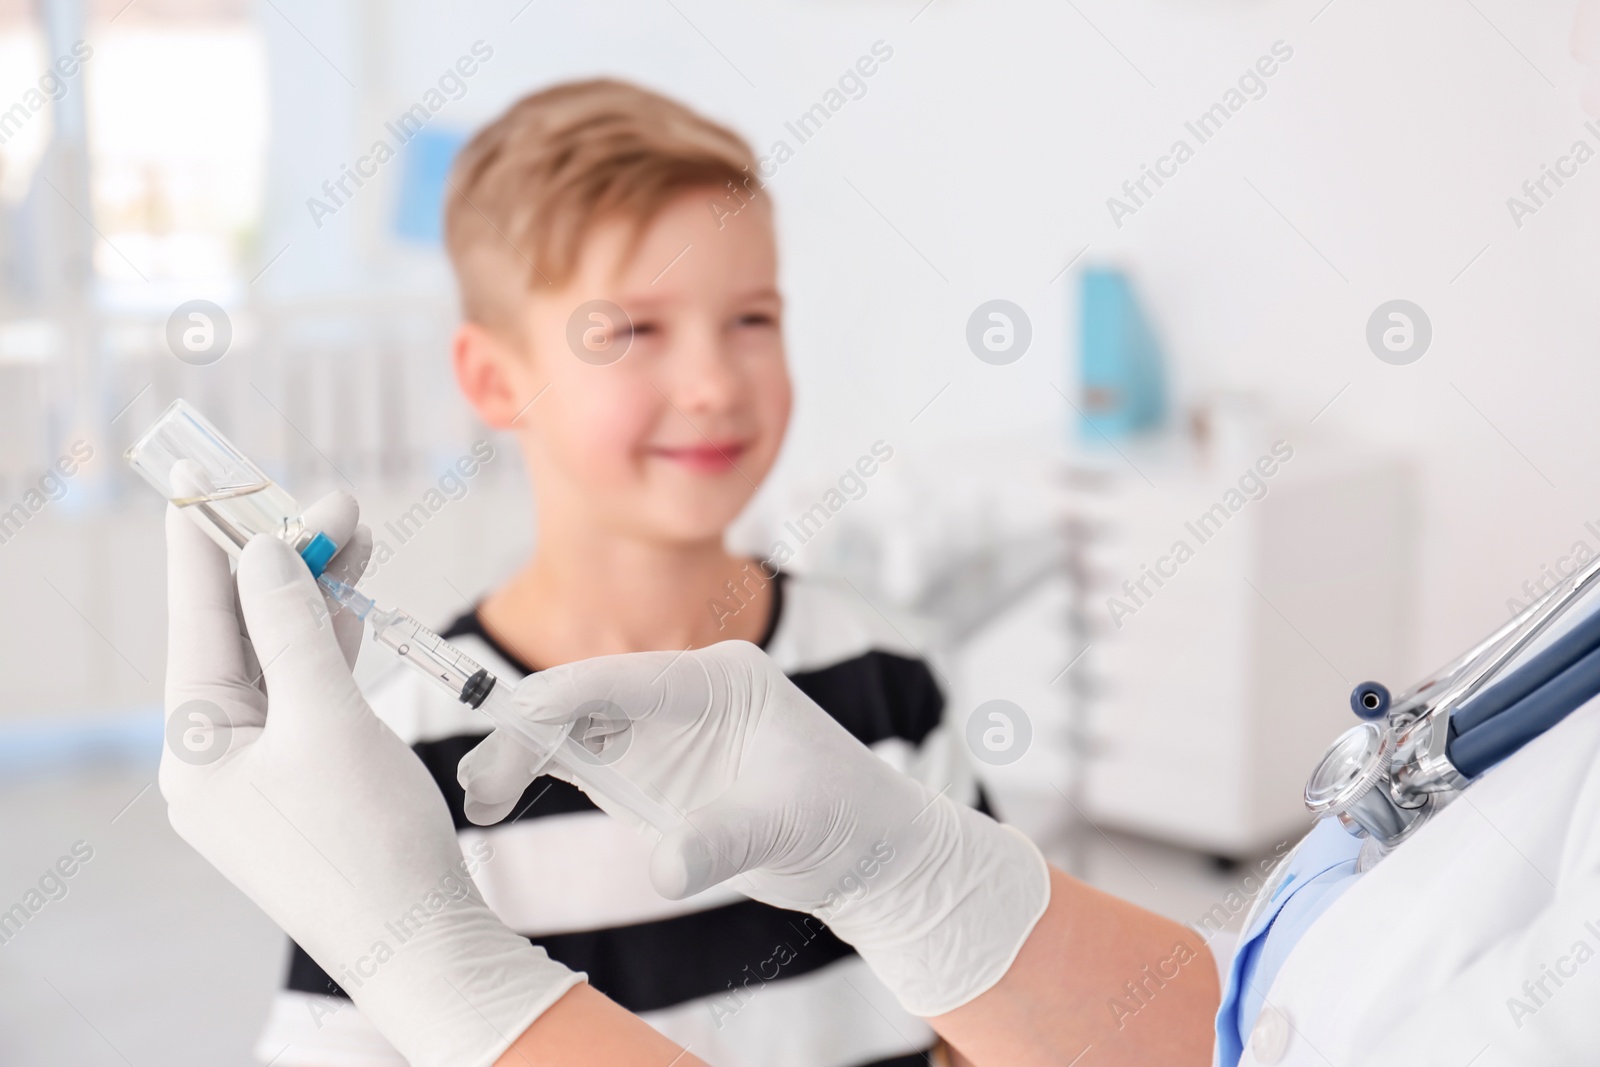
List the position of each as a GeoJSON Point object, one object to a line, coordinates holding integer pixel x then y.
{"type": "Point", "coordinates": [576, 882]}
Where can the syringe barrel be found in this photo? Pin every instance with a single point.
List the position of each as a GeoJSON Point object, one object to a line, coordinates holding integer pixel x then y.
{"type": "Point", "coordinates": [423, 649]}
{"type": "Point", "coordinates": [540, 739]}
{"type": "Point", "coordinates": [549, 743]}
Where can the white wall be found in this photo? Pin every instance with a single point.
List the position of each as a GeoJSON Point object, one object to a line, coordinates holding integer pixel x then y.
{"type": "Point", "coordinates": [991, 142]}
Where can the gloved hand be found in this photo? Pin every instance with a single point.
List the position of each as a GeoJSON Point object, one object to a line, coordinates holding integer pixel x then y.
{"type": "Point", "coordinates": [319, 813]}
{"type": "Point", "coordinates": [936, 898]}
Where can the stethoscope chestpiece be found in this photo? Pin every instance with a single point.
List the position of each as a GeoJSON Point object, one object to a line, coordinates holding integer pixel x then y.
{"type": "Point", "coordinates": [1356, 763]}
{"type": "Point", "coordinates": [1352, 784]}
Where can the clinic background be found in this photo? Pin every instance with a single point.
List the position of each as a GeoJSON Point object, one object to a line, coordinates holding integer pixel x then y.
{"type": "Point", "coordinates": [1159, 751]}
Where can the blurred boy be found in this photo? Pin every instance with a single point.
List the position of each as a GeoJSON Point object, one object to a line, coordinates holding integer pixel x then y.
{"type": "Point", "coordinates": [645, 433]}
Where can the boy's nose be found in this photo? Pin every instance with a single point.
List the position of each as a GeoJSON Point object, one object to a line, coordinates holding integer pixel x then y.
{"type": "Point", "coordinates": [705, 374]}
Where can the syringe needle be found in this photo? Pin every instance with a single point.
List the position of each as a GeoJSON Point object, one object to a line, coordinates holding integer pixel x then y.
{"type": "Point", "coordinates": [346, 595]}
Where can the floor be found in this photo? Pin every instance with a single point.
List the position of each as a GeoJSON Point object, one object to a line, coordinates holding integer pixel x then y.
{"type": "Point", "coordinates": [152, 958]}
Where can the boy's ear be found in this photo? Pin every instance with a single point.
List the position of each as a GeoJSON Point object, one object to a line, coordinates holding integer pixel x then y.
{"type": "Point", "coordinates": [496, 379]}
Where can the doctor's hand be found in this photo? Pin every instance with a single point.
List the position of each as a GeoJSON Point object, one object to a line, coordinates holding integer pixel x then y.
{"type": "Point", "coordinates": [319, 813]}
{"type": "Point", "coordinates": [779, 797]}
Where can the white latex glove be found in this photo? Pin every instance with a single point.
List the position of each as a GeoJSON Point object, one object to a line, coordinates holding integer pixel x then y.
{"type": "Point", "coordinates": [936, 897]}
{"type": "Point", "coordinates": [320, 814]}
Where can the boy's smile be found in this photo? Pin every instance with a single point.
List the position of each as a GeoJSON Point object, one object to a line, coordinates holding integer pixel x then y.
{"type": "Point", "coordinates": [715, 457]}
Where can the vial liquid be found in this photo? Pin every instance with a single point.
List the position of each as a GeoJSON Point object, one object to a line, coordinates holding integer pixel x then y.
{"type": "Point", "coordinates": [189, 461]}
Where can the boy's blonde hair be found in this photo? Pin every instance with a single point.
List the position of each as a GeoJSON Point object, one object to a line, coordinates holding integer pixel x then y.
{"type": "Point", "coordinates": [529, 187]}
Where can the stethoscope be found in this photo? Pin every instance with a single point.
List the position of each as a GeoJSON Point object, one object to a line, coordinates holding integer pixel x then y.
{"type": "Point", "coordinates": [1413, 755]}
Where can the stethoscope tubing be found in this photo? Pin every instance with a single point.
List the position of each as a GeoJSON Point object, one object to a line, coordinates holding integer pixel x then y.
{"type": "Point", "coordinates": [1499, 721]}
{"type": "Point", "coordinates": [1561, 654]}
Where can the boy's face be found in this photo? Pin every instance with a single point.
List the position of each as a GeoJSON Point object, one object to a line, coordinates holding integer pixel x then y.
{"type": "Point", "coordinates": [670, 440]}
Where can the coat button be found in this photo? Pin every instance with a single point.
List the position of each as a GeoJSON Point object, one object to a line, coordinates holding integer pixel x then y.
{"type": "Point", "coordinates": [1269, 1040]}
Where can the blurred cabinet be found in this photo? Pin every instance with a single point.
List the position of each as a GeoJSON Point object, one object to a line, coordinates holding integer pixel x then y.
{"type": "Point", "coordinates": [1215, 677]}
{"type": "Point", "coordinates": [1191, 709]}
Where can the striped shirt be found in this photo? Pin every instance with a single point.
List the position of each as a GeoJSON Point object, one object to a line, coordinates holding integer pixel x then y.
{"type": "Point", "coordinates": [740, 983]}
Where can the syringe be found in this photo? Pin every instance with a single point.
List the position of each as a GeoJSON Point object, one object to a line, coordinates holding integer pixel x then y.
{"type": "Point", "coordinates": [473, 685]}
{"type": "Point", "coordinates": [194, 466]}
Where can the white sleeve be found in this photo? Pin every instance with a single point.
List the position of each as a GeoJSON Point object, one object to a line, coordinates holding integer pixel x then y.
{"type": "Point", "coordinates": [1495, 1009]}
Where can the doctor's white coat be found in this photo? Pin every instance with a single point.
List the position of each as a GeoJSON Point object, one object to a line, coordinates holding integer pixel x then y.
{"type": "Point", "coordinates": [1475, 944]}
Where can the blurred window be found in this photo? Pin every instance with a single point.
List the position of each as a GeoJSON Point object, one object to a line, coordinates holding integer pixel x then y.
{"type": "Point", "coordinates": [177, 117]}
{"type": "Point", "coordinates": [177, 125]}
{"type": "Point", "coordinates": [22, 133]}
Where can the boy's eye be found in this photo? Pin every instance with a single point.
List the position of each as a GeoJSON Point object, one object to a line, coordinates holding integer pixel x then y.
{"type": "Point", "coordinates": [756, 318]}
{"type": "Point", "coordinates": [639, 328]}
